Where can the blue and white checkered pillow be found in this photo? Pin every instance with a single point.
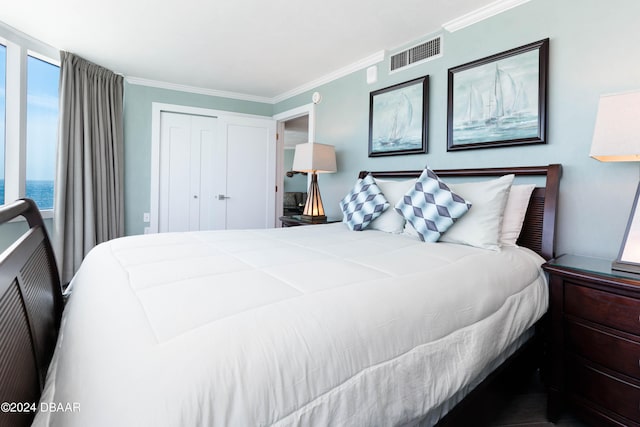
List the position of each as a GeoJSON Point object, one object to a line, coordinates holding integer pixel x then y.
{"type": "Point", "coordinates": [431, 207]}
{"type": "Point", "coordinates": [364, 203]}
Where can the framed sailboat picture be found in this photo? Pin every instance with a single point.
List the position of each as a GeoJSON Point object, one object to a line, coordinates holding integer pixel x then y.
{"type": "Point", "coordinates": [500, 100]}
{"type": "Point", "coordinates": [398, 119]}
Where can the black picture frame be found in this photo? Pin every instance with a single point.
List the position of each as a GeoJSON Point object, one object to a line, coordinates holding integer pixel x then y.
{"type": "Point", "coordinates": [398, 119]}
{"type": "Point", "coordinates": [500, 100]}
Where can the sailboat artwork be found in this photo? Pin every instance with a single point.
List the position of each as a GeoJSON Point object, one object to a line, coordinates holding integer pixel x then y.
{"type": "Point", "coordinates": [507, 102]}
{"type": "Point", "coordinates": [496, 102]}
{"type": "Point", "coordinates": [397, 119]}
{"type": "Point", "coordinates": [398, 125]}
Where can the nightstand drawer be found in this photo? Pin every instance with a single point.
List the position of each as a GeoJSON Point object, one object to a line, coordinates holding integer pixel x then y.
{"type": "Point", "coordinates": [609, 309]}
{"type": "Point", "coordinates": [608, 350]}
{"type": "Point", "coordinates": [595, 341]}
{"type": "Point", "coordinates": [604, 390]}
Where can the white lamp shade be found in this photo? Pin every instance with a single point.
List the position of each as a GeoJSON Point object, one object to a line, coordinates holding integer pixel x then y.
{"type": "Point", "coordinates": [616, 137]}
{"type": "Point", "coordinates": [314, 157]}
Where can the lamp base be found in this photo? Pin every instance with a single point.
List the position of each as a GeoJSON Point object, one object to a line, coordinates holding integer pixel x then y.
{"type": "Point", "coordinates": [313, 209]}
{"type": "Point", "coordinates": [625, 267]}
{"type": "Point", "coordinates": [629, 256]}
{"type": "Point", "coordinates": [314, 219]}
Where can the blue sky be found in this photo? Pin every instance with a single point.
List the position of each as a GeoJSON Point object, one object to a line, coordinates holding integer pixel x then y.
{"type": "Point", "coordinates": [42, 119]}
{"type": "Point", "coordinates": [42, 116]}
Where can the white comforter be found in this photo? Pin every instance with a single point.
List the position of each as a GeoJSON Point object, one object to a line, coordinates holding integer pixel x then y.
{"type": "Point", "coordinates": [310, 326]}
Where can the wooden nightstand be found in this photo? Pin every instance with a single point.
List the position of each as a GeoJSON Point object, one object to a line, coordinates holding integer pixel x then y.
{"type": "Point", "coordinates": [594, 341]}
{"type": "Point", "coordinates": [296, 220]}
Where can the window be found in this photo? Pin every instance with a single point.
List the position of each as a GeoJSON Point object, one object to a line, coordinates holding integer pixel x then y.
{"type": "Point", "coordinates": [42, 128]}
{"type": "Point", "coordinates": [29, 119]}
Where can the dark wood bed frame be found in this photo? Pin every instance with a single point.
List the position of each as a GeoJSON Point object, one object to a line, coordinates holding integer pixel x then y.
{"type": "Point", "coordinates": [30, 310]}
{"type": "Point", "coordinates": [481, 405]}
{"type": "Point", "coordinates": [31, 301]}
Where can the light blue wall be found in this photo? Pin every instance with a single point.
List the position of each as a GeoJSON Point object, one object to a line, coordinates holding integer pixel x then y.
{"type": "Point", "coordinates": [11, 231]}
{"type": "Point", "coordinates": [594, 49]}
{"type": "Point", "coordinates": [137, 140]}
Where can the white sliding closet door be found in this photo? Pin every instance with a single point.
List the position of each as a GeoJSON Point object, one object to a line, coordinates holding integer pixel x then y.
{"type": "Point", "coordinates": [215, 173]}
{"type": "Point", "coordinates": [187, 159]}
{"type": "Point", "coordinates": [251, 172]}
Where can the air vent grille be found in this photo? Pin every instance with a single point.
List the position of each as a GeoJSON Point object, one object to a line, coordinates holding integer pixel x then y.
{"type": "Point", "coordinates": [428, 50]}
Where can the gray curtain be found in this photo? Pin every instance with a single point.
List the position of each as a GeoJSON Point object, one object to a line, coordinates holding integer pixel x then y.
{"type": "Point", "coordinates": [88, 205]}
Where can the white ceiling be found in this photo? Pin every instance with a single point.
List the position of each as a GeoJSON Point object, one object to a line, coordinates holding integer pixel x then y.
{"type": "Point", "coordinates": [255, 47]}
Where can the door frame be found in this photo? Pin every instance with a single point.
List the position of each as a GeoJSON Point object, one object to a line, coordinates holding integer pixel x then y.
{"type": "Point", "coordinates": [303, 110]}
{"type": "Point", "coordinates": [156, 109]}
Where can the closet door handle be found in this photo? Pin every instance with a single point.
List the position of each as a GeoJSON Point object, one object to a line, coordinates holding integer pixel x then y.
{"type": "Point", "coordinates": [223, 197]}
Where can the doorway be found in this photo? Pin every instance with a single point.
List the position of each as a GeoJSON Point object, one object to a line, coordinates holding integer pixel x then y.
{"type": "Point", "coordinates": [296, 131]}
{"type": "Point", "coordinates": [291, 131]}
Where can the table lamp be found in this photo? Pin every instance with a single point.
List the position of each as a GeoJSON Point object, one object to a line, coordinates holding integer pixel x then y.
{"type": "Point", "coordinates": [616, 138]}
{"type": "Point", "coordinates": [314, 158]}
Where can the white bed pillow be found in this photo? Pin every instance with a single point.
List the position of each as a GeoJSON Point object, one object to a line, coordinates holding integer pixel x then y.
{"type": "Point", "coordinates": [514, 212]}
{"type": "Point", "coordinates": [482, 225]}
{"type": "Point", "coordinates": [391, 221]}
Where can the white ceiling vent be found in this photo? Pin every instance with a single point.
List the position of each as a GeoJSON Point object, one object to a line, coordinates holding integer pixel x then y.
{"type": "Point", "coordinates": [423, 52]}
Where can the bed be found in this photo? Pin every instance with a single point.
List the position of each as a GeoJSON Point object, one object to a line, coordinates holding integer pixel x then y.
{"type": "Point", "coordinates": [304, 326]}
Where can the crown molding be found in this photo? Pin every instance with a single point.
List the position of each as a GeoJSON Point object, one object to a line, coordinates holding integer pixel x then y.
{"type": "Point", "coordinates": [356, 66]}
{"type": "Point", "coordinates": [481, 14]}
{"type": "Point", "coordinates": [199, 90]}
{"type": "Point", "coordinates": [37, 47]}
{"type": "Point", "coordinates": [363, 63]}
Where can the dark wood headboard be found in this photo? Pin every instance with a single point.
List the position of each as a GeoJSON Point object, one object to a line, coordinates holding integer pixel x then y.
{"type": "Point", "coordinates": [30, 311]}
{"type": "Point", "coordinates": [539, 229]}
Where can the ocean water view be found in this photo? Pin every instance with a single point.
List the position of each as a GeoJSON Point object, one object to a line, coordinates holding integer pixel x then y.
{"type": "Point", "coordinates": [40, 191]}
